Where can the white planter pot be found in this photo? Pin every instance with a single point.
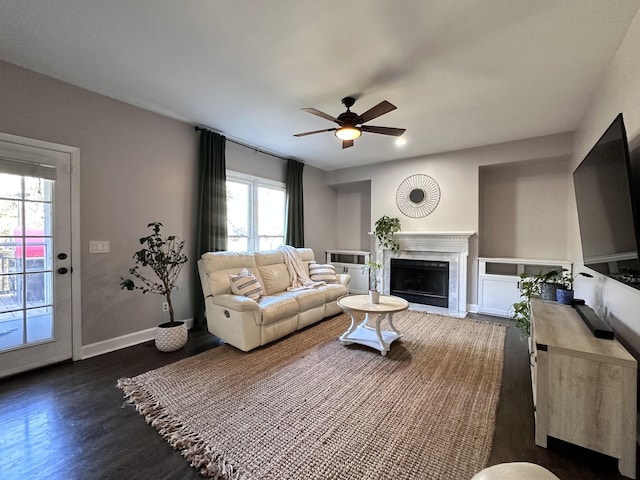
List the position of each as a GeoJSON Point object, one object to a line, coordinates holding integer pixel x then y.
{"type": "Point", "coordinates": [374, 296]}
{"type": "Point", "coordinates": [171, 336]}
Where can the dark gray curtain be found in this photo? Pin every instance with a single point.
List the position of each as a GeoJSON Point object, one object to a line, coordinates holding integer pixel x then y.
{"type": "Point", "coordinates": [294, 224]}
{"type": "Point", "coordinates": [211, 216]}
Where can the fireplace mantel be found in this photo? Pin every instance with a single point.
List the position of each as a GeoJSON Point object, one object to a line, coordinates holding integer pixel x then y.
{"type": "Point", "coordinates": [436, 241]}
{"type": "Point", "coordinates": [449, 246]}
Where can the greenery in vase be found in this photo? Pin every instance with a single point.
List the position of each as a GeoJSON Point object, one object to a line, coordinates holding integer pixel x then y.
{"type": "Point", "coordinates": [566, 280]}
{"type": "Point", "coordinates": [530, 286]}
{"type": "Point", "coordinates": [372, 268]}
{"type": "Point", "coordinates": [385, 227]}
{"type": "Point", "coordinates": [163, 255]}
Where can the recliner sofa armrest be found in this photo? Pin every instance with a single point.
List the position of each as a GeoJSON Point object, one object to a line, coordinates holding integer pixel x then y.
{"type": "Point", "coordinates": [344, 278]}
{"type": "Point", "coordinates": [239, 303]}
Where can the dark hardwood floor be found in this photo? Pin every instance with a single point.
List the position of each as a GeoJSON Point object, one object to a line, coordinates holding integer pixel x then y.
{"type": "Point", "coordinates": [69, 421]}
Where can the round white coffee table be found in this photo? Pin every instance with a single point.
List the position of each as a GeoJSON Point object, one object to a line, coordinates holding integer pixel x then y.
{"type": "Point", "coordinates": [364, 334]}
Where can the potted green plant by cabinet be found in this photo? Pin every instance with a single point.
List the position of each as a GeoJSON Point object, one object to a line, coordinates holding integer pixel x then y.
{"type": "Point", "coordinates": [564, 293]}
{"type": "Point", "coordinates": [164, 258]}
{"type": "Point", "coordinates": [549, 283]}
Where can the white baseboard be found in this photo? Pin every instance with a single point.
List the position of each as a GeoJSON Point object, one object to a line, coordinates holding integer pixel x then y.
{"type": "Point", "coordinates": [472, 308]}
{"type": "Point", "coordinates": [123, 341]}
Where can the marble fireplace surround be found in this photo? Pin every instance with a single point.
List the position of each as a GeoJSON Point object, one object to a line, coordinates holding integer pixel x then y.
{"type": "Point", "coordinates": [452, 247]}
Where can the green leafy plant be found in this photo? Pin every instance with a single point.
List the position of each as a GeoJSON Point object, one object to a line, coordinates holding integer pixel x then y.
{"type": "Point", "coordinates": [385, 227]}
{"type": "Point", "coordinates": [531, 286]}
{"type": "Point", "coordinates": [566, 279]}
{"type": "Point", "coordinates": [372, 268]}
{"type": "Point", "coordinates": [164, 257]}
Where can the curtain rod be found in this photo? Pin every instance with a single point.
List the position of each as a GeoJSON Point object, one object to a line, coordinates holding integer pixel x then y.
{"type": "Point", "coordinates": [257, 150]}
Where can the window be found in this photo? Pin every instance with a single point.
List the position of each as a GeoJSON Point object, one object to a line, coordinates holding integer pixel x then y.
{"type": "Point", "coordinates": [255, 213]}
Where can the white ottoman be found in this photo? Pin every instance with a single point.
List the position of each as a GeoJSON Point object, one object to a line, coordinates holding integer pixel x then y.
{"type": "Point", "coordinates": [515, 471]}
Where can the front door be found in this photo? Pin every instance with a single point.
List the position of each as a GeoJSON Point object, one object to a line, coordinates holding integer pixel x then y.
{"type": "Point", "coordinates": [36, 323]}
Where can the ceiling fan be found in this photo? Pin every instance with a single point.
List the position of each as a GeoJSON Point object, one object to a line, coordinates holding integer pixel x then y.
{"type": "Point", "coordinates": [351, 124]}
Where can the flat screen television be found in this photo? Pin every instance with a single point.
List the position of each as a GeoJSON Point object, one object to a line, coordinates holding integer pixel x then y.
{"type": "Point", "coordinates": [607, 193]}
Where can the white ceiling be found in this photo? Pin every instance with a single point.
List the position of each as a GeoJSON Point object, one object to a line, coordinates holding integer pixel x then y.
{"type": "Point", "coordinates": [462, 73]}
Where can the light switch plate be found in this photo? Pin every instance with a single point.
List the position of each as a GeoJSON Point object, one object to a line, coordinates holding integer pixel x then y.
{"type": "Point", "coordinates": [99, 246]}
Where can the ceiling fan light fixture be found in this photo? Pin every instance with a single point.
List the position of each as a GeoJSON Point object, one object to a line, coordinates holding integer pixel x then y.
{"type": "Point", "coordinates": [348, 133]}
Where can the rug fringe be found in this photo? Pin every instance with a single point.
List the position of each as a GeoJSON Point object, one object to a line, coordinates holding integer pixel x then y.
{"type": "Point", "coordinates": [210, 464]}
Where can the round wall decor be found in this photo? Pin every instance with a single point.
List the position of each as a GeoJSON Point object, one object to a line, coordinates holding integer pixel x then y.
{"type": "Point", "coordinates": [418, 196]}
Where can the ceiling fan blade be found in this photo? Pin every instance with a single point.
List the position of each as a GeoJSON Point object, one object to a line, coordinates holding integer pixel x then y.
{"type": "Point", "coordinates": [396, 132]}
{"type": "Point", "coordinates": [315, 131]}
{"type": "Point", "coordinates": [380, 109]}
{"type": "Point", "coordinates": [322, 114]}
{"type": "Point", "coordinates": [347, 144]}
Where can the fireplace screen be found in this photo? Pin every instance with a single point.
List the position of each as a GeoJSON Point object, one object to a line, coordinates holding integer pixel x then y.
{"type": "Point", "coordinates": [420, 281]}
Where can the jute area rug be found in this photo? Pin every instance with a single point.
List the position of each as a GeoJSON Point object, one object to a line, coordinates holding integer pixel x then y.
{"type": "Point", "coordinates": [309, 408]}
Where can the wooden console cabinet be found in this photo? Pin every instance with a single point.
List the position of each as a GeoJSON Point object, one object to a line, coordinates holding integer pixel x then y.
{"type": "Point", "coordinates": [584, 388]}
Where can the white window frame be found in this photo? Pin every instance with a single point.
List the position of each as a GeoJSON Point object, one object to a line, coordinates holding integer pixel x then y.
{"type": "Point", "coordinates": [255, 182]}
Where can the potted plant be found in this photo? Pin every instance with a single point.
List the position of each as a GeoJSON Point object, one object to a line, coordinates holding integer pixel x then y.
{"type": "Point", "coordinates": [549, 283]}
{"type": "Point", "coordinates": [529, 287]}
{"type": "Point", "coordinates": [164, 257]}
{"type": "Point", "coordinates": [385, 227]}
{"type": "Point", "coordinates": [564, 293]}
{"type": "Point", "coordinates": [372, 268]}
{"type": "Point", "coordinates": [543, 285]}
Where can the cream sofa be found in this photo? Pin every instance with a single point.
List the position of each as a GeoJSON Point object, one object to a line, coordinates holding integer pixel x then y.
{"type": "Point", "coordinates": [246, 323]}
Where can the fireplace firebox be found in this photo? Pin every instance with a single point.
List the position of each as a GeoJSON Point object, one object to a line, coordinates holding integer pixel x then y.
{"type": "Point", "coordinates": [420, 281]}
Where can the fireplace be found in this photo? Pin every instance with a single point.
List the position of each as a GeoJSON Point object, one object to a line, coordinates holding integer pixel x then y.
{"type": "Point", "coordinates": [420, 281]}
{"type": "Point", "coordinates": [451, 248]}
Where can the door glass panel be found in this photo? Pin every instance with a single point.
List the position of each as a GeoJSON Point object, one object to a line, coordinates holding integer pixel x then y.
{"type": "Point", "coordinates": [11, 330]}
{"type": "Point", "coordinates": [39, 324]}
{"type": "Point", "coordinates": [37, 289]}
{"type": "Point", "coordinates": [26, 261]}
{"type": "Point", "coordinates": [10, 259]}
{"type": "Point", "coordinates": [35, 215]}
{"type": "Point", "coordinates": [37, 189]}
{"type": "Point", "coordinates": [10, 216]}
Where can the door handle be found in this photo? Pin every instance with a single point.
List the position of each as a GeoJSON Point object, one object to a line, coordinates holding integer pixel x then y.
{"type": "Point", "coordinates": [62, 270]}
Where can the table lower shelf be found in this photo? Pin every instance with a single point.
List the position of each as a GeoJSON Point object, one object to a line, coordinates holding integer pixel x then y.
{"type": "Point", "coordinates": [364, 335]}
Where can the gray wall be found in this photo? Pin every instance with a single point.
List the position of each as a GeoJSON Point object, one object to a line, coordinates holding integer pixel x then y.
{"type": "Point", "coordinates": [136, 167]}
{"type": "Point", "coordinates": [458, 175]}
{"type": "Point", "coordinates": [523, 209]}
{"type": "Point", "coordinates": [353, 216]}
{"type": "Point", "coordinates": [618, 92]}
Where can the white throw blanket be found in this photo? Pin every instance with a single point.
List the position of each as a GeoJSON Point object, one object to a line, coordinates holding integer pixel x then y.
{"type": "Point", "coordinates": [297, 273]}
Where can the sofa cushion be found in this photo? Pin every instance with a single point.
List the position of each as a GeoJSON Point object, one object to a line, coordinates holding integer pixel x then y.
{"type": "Point", "coordinates": [246, 284]}
{"type": "Point", "coordinates": [275, 278]}
{"type": "Point", "coordinates": [333, 291]}
{"type": "Point", "coordinates": [273, 271]}
{"type": "Point", "coordinates": [218, 266]}
{"type": "Point", "coordinates": [322, 273]}
{"type": "Point", "coordinates": [307, 299]}
{"type": "Point", "coordinates": [277, 307]}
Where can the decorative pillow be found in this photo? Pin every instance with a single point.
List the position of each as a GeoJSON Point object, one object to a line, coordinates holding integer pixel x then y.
{"type": "Point", "coordinates": [245, 283]}
{"type": "Point", "coordinates": [322, 273]}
